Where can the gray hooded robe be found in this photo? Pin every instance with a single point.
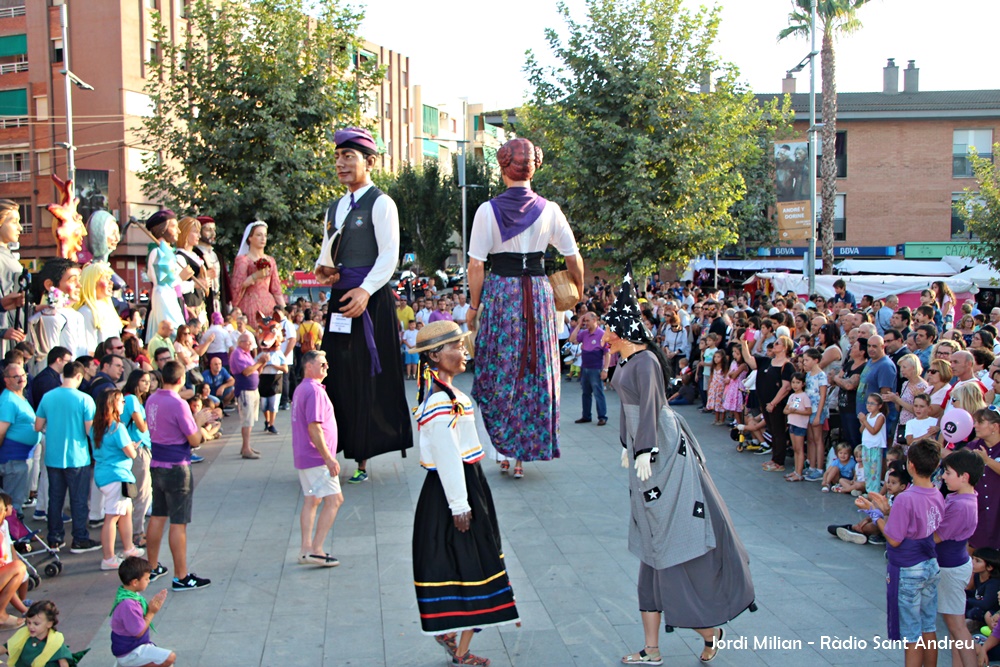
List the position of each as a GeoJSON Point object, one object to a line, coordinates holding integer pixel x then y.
{"type": "Point", "coordinates": [694, 567]}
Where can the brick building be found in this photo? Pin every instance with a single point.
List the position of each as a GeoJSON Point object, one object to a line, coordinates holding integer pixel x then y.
{"type": "Point", "coordinates": [902, 163]}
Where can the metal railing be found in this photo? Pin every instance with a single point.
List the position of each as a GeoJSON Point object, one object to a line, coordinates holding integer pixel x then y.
{"type": "Point", "coordinates": [11, 12]}
{"type": "Point", "coordinates": [13, 121]}
{"type": "Point", "coordinates": [10, 68]}
{"type": "Point", "coordinates": [14, 176]}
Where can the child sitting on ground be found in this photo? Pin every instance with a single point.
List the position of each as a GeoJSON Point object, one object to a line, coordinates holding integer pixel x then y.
{"type": "Point", "coordinates": [842, 469]}
{"type": "Point", "coordinates": [132, 616]}
{"type": "Point", "coordinates": [912, 569]}
{"type": "Point", "coordinates": [12, 570]}
{"type": "Point", "coordinates": [38, 642]}
{"type": "Point", "coordinates": [892, 455]}
{"type": "Point", "coordinates": [962, 470]}
{"type": "Point", "coordinates": [981, 593]}
{"type": "Point", "coordinates": [757, 438]}
{"type": "Point", "coordinates": [865, 531]}
{"type": "Point", "coordinates": [685, 393]}
{"type": "Point", "coordinates": [855, 486]}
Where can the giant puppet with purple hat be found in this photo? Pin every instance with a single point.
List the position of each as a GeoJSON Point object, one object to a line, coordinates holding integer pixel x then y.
{"type": "Point", "coordinates": [517, 352]}
{"type": "Point", "coordinates": [361, 339]}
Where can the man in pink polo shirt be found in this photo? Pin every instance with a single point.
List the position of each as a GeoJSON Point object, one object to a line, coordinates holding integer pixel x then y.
{"type": "Point", "coordinates": [314, 448]}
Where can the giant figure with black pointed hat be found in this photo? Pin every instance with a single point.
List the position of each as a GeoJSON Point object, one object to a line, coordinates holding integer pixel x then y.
{"type": "Point", "coordinates": [359, 254]}
{"type": "Point", "coordinates": [694, 572]}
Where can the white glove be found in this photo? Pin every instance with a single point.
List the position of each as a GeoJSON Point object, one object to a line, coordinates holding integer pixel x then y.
{"type": "Point", "coordinates": [643, 469]}
{"type": "Point", "coordinates": [624, 458]}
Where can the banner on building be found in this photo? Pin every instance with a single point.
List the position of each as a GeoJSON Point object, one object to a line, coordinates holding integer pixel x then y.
{"type": "Point", "coordinates": [791, 170]}
{"type": "Point", "coordinates": [92, 191]}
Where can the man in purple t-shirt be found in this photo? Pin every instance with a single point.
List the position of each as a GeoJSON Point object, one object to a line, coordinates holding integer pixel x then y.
{"type": "Point", "coordinates": [593, 366]}
{"type": "Point", "coordinates": [246, 370]}
{"type": "Point", "coordinates": [173, 430]}
{"type": "Point", "coordinates": [314, 448]}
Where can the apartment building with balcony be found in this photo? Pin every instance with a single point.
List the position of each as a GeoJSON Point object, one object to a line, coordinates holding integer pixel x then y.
{"type": "Point", "coordinates": [388, 107]}
{"type": "Point", "coordinates": [111, 43]}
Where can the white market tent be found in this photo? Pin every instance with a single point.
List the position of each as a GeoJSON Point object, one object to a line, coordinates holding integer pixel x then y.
{"type": "Point", "coordinates": [752, 265]}
{"type": "Point", "coordinates": [897, 267]}
{"type": "Point", "coordinates": [880, 286]}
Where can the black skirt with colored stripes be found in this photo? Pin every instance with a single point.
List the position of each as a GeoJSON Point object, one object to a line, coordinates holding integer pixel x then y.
{"type": "Point", "coordinates": [460, 578]}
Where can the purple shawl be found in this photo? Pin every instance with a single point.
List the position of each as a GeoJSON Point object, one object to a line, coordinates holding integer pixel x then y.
{"type": "Point", "coordinates": [515, 210]}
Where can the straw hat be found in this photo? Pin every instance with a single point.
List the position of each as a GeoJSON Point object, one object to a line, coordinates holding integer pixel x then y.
{"type": "Point", "coordinates": [436, 334]}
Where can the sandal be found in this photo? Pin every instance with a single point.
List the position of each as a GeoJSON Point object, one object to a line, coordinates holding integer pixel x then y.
{"type": "Point", "coordinates": [712, 646]}
{"type": "Point", "coordinates": [448, 642]}
{"type": "Point", "coordinates": [793, 477]}
{"type": "Point", "coordinates": [469, 659]}
{"type": "Point", "coordinates": [771, 466]}
{"type": "Point", "coordinates": [518, 472]}
{"type": "Point", "coordinates": [504, 467]}
{"type": "Point", "coordinates": [12, 623]}
{"type": "Point", "coordinates": [643, 658]}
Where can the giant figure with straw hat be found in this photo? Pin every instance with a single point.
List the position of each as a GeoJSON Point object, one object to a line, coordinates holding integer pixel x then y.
{"type": "Point", "coordinates": [358, 257]}
{"type": "Point", "coordinates": [458, 564]}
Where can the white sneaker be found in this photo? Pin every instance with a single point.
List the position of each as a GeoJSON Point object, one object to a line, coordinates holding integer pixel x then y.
{"type": "Point", "coordinates": [111, 563]}
{"type": "Point", "coordinates": [134, 551]}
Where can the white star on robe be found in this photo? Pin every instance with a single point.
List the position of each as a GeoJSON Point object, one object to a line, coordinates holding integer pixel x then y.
{"type": "Point", "coordinates": [653, 495]}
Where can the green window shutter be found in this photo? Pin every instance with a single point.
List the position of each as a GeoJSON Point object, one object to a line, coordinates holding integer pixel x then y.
{"type": "Point", "coordinates": [13, 45]}
{"type": "Point", "coordinates": [430, 121]}
{"type": "Point", "coordinates": [14, 102]}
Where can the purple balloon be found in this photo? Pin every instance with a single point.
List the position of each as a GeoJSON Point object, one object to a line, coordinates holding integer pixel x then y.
{"type": "Point", "coordinates": [956, 425]}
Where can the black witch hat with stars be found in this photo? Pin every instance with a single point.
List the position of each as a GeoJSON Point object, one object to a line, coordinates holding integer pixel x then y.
{"type": "Point", "coordinates": [625, 317]}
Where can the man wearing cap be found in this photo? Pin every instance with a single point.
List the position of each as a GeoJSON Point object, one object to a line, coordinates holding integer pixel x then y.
{"type": "Point", "coordinates": [358, 257]}
{"type": "Point", "coordinates": [161, 267]}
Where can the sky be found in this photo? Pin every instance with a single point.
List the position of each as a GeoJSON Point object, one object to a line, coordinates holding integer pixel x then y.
{"type": "Point", "coordinates": [475, 49]}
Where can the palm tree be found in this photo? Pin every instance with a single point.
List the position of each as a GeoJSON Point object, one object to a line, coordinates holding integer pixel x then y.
{"type": "Point", "coordinates": [835, 17]}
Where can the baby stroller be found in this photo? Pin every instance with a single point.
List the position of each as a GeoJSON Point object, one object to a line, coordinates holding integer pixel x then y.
{"type": "Point", "coordinates": [28, 544]}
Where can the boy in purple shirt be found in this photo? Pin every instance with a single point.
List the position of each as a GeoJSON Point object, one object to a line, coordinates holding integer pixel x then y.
{"type": "Point", "coordinates": [913, 573]}
{"type": "Point", "coordinates": [314, 449]}
{"type": "Point", "coordinates": [962, 470]}
{"type": "Point", "coordinates": [132, 616]}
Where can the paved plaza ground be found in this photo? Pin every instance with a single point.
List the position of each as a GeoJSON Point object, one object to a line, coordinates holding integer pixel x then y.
{"type": "Point", "coordinates": [564, 530]}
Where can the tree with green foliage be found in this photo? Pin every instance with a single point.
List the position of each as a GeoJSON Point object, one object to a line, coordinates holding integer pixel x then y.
{"type": "Point", "coordinates": [980, 209]}
{"type": "Point", "coordinates": [755, 214]}
{"type": "Point", "coordinates": [428, 206]}
{"type": "Point", "coordinates": [641, 160]}
{"type": "Point", "coordinates": [246, 108]}
{"type": "Point", "coordinates": [836, 17]}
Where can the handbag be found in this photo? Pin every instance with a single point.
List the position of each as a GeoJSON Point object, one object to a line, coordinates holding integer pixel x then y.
{"type": "Point", "coordinates": [130, 490]}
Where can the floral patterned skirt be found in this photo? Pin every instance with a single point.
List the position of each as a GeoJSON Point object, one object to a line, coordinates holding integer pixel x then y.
{"type": "Point", "coordinates": [517, 369]}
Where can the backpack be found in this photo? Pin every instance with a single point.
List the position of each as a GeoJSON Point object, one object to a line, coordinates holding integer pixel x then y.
{"type": "Point", "coordinates": [308, 342]}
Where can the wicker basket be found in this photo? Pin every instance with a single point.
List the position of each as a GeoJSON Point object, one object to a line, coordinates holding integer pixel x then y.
{"type": "Point", "coordinates": [564, 290]}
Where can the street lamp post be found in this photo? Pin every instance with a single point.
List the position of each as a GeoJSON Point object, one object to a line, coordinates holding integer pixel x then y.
{"type": "Point", "coordinates": [70, 80]}
{"type": "Point", "coordinates": [812, 152]}
{"type": "Point", "coordinates": [814, 127]}
{"type": "Point", "coordinates": [463, 186]}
